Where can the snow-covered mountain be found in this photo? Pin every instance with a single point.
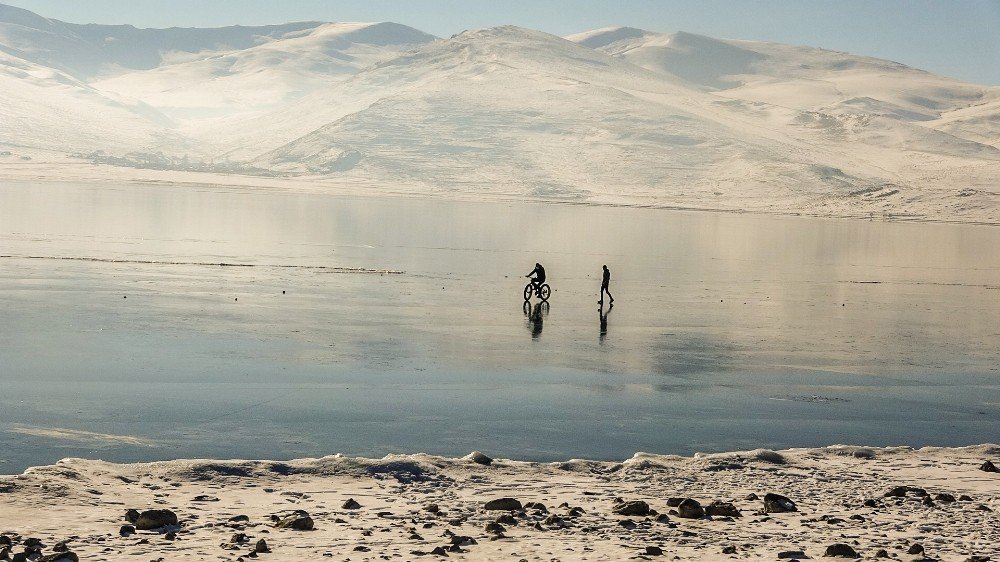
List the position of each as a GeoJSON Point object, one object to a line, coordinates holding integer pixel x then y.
{"type": "Point", "coordinates": [612, 115]}
{"type": "Point", "coordinates": [267, 74]}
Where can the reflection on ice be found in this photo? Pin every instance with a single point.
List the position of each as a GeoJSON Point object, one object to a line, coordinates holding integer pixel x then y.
{"type": "Point", "coordinates": [722, 314]}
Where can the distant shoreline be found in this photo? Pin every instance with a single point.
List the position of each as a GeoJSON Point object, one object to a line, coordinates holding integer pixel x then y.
{"type": "Point", "coordinates": [70, 171]}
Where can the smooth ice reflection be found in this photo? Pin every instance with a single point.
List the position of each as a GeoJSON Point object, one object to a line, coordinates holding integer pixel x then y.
{"type": "Point", "coordinates": [368, 325]}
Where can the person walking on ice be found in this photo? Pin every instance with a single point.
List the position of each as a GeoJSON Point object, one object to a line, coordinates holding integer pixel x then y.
{"type": "Point", "coordinates": [604, 286]}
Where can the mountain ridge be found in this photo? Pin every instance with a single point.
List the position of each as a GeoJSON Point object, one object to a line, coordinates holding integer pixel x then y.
{"type": "Point", "coordinates": [608, 115]}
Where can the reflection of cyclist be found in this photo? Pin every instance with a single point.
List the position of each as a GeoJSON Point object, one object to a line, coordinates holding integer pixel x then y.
{"type": "Point", "coordinates": [539, 276]}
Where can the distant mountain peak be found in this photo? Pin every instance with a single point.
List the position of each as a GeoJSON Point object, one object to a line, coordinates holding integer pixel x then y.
{"type": "Point", "coordinates": [597, 38]}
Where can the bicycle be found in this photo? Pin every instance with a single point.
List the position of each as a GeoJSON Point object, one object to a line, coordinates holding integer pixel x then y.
{"type": "Point", "coordinates": [542, 291]}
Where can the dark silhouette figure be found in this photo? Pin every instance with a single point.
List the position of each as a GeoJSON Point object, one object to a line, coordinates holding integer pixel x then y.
{"type": "Point", "coordinates": [539, 276]}
{"type": "Point", "coordinates": [535, 315]}
{"type": "Point", "coordinates": [604, 321]}
{"type": "Point", "coordinates": [605, 279]}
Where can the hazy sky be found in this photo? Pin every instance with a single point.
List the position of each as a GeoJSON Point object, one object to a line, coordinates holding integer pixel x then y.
{"type": "Point", "coordinates": [955, 38]}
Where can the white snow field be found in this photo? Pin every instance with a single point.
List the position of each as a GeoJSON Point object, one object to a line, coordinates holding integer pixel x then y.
{"type": "Point", "coordinates": [611, 116]}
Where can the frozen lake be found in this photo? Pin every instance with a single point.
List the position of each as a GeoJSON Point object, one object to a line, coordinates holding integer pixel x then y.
{"type": "Point", "coordinates": [375, 325]}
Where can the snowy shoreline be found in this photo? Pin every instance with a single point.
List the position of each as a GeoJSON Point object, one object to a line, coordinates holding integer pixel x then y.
{"type": "Point", "coordinates": [928, 503]}
{"type": "Point", "coordinates": [60, 170]}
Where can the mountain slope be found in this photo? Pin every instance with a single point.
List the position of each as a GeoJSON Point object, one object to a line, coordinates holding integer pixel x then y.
{"type": "Point", "coordinates": [44, 108]}
{"type": "Point", "coordinates": [91, 51]}
{"type": "Point", "coordinates": [267, 74]}
{"type": "Point", "coordinates": [522, 112]}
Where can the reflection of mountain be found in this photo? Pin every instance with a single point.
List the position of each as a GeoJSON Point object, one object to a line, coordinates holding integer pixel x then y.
{"type": "Point", "coordinates": [612, 115]}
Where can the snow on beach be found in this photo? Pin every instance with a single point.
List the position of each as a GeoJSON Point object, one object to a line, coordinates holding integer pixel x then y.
{"type": "Point", "coordinates": [858, 502]}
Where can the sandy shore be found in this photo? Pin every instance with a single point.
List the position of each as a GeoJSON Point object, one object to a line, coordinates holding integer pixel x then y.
{"type": "Point", "coordinates": [409, 507]}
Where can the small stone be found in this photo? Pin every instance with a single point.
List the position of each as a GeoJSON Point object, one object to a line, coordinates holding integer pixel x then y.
{"type": "Point", "coordinates": [494, 528]}
{"type": "Point", "coordinates": [261, 546]}
{"type": "Point", "coordinates": [506, 519]}
{"type": "Point", "coordinates": [125, 531]}
{"type": "Point", "coordinates": [840, 550]}
{"type": "Point", "coordinates": [776, 503]}
{"type": "Point", "coordinates": [155, 519]}
{"type": "Point", "coordinates": [554, 521]}
{"type": "Point", "coordinates": [690, 509]}
{"type": "Point", "coordinates": [674, 502]}
{"type": "Point", "coordinates": [503, 504]}
{"type": "Point", "coordinates": [479, 458]}
{"type": "Point", "coordinates": [722, 509]}
{"type": "Point", "coordinates": [350, 504]}
{"type": "Point", "coordinates": [751, 497]}
{"type": "Point", "coordinates": [654, 551]}
{"type": "Point", "coordinates": [432, 508]}
{"type": "Point", "coordinates": [239, 538]}
{"type": "Point", "coordinates": [361, 548]}
{"type": "Point", "coordinates": [239, 519]}
{"type": "Point", "coordinates": [882, 553]}
{"type": "Point", "coordinates": [965, 498]}
{"type": "Point", "coordinates": [729, 549]}
{"type": "Point", "coordinates": [297, 523]}
{"type": "Point", "coordinates": [927, 501]}
{"type": "Point", "coordinates": [897, 492]}
{"type": "Point", "coordinates": [871, 503]}
{"type": "Point", "coordinates": [636, 507]}
{"type": "Point", "coordinates": [945, 498]}
{"type": "Point", "coordinates": [988, 466]}
{"type": "Point", "coordinates": [788, 554]}
{"type": "Point", "coordinates": [60, 557]}
{"type": "Point", "coordinates": [915, 548]}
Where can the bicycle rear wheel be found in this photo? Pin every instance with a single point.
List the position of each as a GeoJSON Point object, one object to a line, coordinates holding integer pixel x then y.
{"type": "Point", "coordinates": [528, 289]}
{"type": "Point", "coordinates": [544, 291]}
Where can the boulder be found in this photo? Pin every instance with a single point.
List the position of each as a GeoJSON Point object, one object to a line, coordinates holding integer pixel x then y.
{"type": "Point", "coordinates": [988, 466]}
{"type": "Point", "coordinates": [690, 509]}
{"type": "Point", "coordinates": [776, 503]}
{"type": "Point", "coordinates": [350, 504]}
{"type": "Point", "coordinates": [155, 519]}
{"type": "Point", "coordinates": [841, 550]}
{"type": "Point", "coordinates": [636, 507]}
{"type": "Point", "coordinates": [503, 504]}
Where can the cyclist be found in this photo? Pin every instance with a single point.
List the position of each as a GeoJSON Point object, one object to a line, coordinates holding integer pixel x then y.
{"type": "Point", "coordinates": [539, 276]}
